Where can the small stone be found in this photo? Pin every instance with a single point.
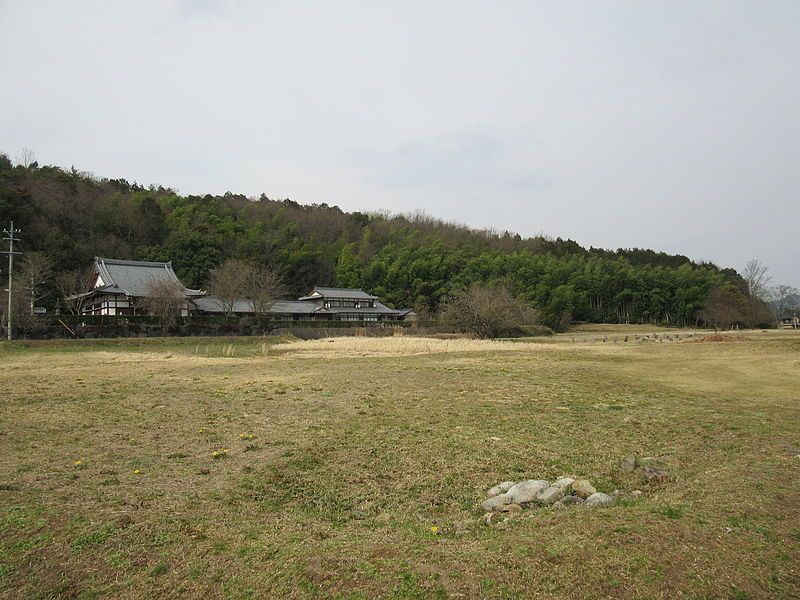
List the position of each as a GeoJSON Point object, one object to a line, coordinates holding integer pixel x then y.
{"type": "Point", "coordinates": [500, 488]}
{"type": "Point", "coordinates": [583, 488]}
{"type": "Point", "coordinates": [616, 494]}
{"type": "Point", "coordinates": [654, 475]}
{"type": "Point", "coordinates": [563, 482]}
{"type": "Point", "coordinates": [636, 493]}
{"type": "Point", "coordinates": [512, 510]}
{"type": "Point", "coordinates": [549, 495]}
{"type": "Point", "coordinates": [628, 464]}
{"type": "Point", "coordinates": [599, 499]}
{"type": "Point", "coordinates": [572, 500]}
{"type": "Point", "coordinates": [525, 491]}
{"type": "Point", "coordinates": [496, 503]}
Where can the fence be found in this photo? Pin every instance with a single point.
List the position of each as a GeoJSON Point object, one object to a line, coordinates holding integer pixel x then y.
{"type": "Point", "coordinates": [109, 326]}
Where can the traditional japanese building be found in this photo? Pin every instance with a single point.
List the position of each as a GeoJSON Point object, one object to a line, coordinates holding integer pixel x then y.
{"type": "Point", "coordinates": [322, 303]}
{"type": "Point", "coordinates": [789, 321]}
{"type": "Point", "coordinates": [123, 287]}
{"type": "Point", "coordinates": [118, 287]}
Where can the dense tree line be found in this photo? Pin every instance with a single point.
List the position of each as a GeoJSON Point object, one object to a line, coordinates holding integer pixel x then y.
{"type": "Point", "coordinates": [408, 260]}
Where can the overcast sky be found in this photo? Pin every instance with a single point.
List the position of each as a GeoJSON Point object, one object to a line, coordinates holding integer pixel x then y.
{"type": "Point", "coordinates": [671, 125]}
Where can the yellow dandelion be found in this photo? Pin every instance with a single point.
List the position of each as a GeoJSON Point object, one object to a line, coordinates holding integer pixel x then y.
{"type": "Point", "coordinates": [434, 529]}
{"type": "Point", "coordinates": [136, 471]}
{"type": "Point", "coordinates": [77, 462]}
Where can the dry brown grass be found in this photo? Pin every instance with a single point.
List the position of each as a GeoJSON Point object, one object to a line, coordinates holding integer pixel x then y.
{"type": "Point", "coordinates": [355, 457]}
{"type": "Point", "coordinates": [348, 347]}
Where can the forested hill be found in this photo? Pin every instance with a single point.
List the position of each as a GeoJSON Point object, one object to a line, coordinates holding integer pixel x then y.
{"type": "Point", "coordinates": [407, 261]}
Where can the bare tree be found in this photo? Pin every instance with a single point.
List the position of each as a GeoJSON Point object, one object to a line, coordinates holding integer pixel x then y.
{"type": "Point", "coordinates": [70, 285]}
{"type": "Point", "coordinates": [264, 287]}
{"type": "Point", "coordinates": [231, 281]}
{"type": "Point", "coordinates": [755, 274]}
{"type": "Point", "coordinates": [26, 158]}
{"type": "Point", "coordinates": [36, 271]}
{"type": "Point", "coordinates": [164, 299]}
{"type": "Point", "coordinates": [782, 299]}
{"type": "Point", "coordinates": [487, 312]}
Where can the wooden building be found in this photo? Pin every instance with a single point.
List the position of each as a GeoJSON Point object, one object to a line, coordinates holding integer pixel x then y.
{"type": "Point", "coordinates": [789, 321]}
{"type": "Point", "coordinates": [322, 303]}
{"type": "Point", "coordinates": [118, 287]}
{"type": "Point", "coordinates": [121, 287]}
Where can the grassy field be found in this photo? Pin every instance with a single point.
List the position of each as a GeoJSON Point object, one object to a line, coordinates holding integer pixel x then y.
{"type": "Point", "coordinates": [241, 469]}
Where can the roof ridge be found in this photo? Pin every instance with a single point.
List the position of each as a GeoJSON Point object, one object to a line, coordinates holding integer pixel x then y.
{"type": "Point", "coordinates": [124, 261]}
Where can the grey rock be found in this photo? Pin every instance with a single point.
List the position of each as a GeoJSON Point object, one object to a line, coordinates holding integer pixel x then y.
{"type": "Point", "coordinates": [549, 495]}
{"type": "Point", "coordinates": [525, 491]}
{"type": "Point", "coordinates": [636, 493]}
{"type": "Point", "coordinates": [496, 503]}
{"type": "Point", "coordinates": [572, 500]}
{"type": "Point", "coordinates": [583, 488]}
{"type": "Point", "coordinates": [563, 482]}
{"type": "Point", "coordinates": [599, 499]}
{"type": "Point", "coordinates": [628, 464]}
{"type": "Point", "coordinates": [500, 488]}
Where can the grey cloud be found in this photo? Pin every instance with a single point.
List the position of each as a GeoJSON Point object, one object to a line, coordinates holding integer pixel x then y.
{"type": "Point", "coordinates": [668, 125]}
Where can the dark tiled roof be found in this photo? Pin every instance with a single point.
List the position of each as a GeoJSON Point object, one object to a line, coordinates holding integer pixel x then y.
{"type": "Point", "coordinates": [210, 304]}
{"type": "Point", "coordinates": [293, 306]}
{"type": "Point", "coordinates": [347, 293]}
{"type": "Point", "coordinates": [135, 277]}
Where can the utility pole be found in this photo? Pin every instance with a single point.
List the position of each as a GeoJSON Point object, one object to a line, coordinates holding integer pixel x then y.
{"type": "Point", "coordinates": [9, 237]}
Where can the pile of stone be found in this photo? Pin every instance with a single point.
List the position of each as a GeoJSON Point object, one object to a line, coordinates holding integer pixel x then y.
{"type": "Point", "coordinates": [513, 497]}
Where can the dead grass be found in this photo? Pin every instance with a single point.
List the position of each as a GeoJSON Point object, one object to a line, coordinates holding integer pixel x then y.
{"type": "Point", "coordinates": [356, 454]}
{"type": "Point", "coordinates": [349, 347]}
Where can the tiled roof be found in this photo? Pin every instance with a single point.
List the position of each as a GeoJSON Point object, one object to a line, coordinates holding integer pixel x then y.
{"type": "Point", "coordinates": [210, 304]}
{"type": "Point", "coordinates": [215, 305]}
{"type": "Point", "coordinates": [135, 277]}
{"type": "Point", "coordinates": [347, 293]}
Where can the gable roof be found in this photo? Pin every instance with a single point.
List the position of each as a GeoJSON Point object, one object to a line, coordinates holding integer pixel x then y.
{"type": "Point", "coordinates": [331, 292]}
{"type": "Point", "coordinates": [135, 277]}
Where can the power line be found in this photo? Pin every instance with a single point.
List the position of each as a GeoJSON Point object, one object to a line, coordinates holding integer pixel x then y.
{"type": "Point", "coordinates": [9, 237]}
